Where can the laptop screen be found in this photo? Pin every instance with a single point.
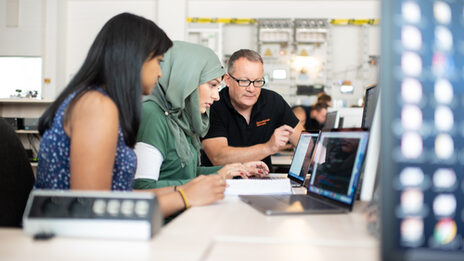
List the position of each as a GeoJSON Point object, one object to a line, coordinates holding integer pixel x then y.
{"type": "Point", "coordinates": [330, 121]}
{"type": "Point", "coordinates": [338, 162]}
{"type": "Point", "coordinates": [370, 102]}
{"type": "Point", "coordinates": [303, 154]}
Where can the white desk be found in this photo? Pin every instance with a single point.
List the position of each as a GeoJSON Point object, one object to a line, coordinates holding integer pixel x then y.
{"type": "Point", "coordinates": [281, 160]}
{"type": "Point", "coordinates": [227, 230]}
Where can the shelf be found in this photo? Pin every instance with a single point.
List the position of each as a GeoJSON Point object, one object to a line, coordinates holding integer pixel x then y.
{"type": "Point", "coordinates": [310, 41]}
{"type": "Point", "coordinates": [23, 108]}
{"type": "Point", "coordinates": [203, 30]}
{"type": "Point", "coordinates": [27, 131]}
{"type": "Point", "coordinates": [312, 30]}
{"type": "Point", "coordinates": [24, 100]}
{"type": "Point", "coordinates": [274, 41]}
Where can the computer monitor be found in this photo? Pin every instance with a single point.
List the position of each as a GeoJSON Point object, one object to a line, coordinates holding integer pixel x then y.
{"type": "Point", "coordinates": [422, 139]}
{"type": "Point", "coordinates": [370, 102]}
{"type": "Point", "coordinates": [370, 171]}
{"type": "Point", "coordinates": [330, 122]}
{"type": "Point", "coordinates": [349, 118]}
{"type": "Point", "coordinates": [337, 165]}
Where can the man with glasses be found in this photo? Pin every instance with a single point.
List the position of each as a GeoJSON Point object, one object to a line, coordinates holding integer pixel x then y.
{"type": "Point", "coordinates": [248, 123]}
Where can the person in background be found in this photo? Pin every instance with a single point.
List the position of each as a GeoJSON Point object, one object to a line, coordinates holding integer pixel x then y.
{"type": "Point", "coordinates": [300, 113]}
{"type": "Point", "coordinates": [89, 131]}
{"type": "Point", "coordinates": [316, 116]}
{"type": "Point", "coordinates": [324, 98]}
{"type": "Point", "coordinates": [175, 116]}
{"type": "Point", "coordinates": [16, 177]}
{"type": "Point", "coordinates": [248, 122]}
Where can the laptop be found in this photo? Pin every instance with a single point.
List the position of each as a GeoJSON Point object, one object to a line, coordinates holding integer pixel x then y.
{"type": "Point", "coordinates": [330, 122]}
{"type": "Point", "coordinates": [332, 187]}
{"type": "Point", "coordinates": [301, 161]}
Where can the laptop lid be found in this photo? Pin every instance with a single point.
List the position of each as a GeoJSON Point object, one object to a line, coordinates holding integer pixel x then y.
{"type": "Point", "coordinates": [330, 121]}
{"type": "Point", "coordinates": [302, 157]}
{"type": "Point", "coordinates": [370, 104]}
{"type": "Point", "coordinates": [337, 166]}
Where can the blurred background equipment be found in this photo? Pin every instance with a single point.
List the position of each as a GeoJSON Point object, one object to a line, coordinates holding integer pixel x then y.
{"type": "Point", "coordinates": [421, 142]}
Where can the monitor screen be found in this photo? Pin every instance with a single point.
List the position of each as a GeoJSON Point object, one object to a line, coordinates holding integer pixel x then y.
{"type": "Point", "coordinates": [370, 102]}
{"type": "Point", "coordinates": [330, 121]}
{"type": "Point", "coordinates": [349, 118]}
{"type": "Point", "coordinates": [20, 73]}
{"type": "Point", "coordinates": [303, 154]}
{"type": "Point", "coordinates": [422, 139]}
{"type": "Point", "coordinates": [338, 161]}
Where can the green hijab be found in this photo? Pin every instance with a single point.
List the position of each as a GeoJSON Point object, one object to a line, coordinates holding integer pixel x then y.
{"type": "Point", "coordinates": [185, 66]}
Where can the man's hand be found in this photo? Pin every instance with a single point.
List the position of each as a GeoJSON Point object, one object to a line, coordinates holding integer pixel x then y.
{"type": "Point", "coordinates": [279, 139]}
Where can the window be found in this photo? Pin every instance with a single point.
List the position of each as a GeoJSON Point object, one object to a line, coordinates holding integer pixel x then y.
{"type": "Point", "coordinates": [20, 73]}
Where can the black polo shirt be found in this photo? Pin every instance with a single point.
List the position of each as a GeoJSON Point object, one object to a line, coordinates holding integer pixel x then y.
{"type": "Point", "coordinates": [270, 112]}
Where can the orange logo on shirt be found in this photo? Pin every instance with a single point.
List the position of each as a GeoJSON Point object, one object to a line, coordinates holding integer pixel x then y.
{"type": "Point", "coordinates": [263, 122]}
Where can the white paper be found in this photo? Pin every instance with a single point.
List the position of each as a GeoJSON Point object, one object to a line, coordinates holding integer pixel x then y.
{"type": "Point", "coordinates": [258, 186]}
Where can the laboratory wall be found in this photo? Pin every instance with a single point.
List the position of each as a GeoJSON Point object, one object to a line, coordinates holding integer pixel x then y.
{"type": "Point", "coordinates": [61, 31]}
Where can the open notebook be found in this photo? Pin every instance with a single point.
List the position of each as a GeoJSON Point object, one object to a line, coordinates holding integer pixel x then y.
{"type": "Point", "coordinates": [258, 186]}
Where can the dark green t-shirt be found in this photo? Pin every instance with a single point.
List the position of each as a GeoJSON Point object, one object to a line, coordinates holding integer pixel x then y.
{"type": "Point", "coordinates": [154, 131]}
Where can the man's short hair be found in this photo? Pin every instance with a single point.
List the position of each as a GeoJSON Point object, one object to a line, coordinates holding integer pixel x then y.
{"type": "Point", "coordinates": [324, 97]}
{"type": "Point", "coordinates": [319, 106]}
{"type": "Point", "coordinates": [250, 55]}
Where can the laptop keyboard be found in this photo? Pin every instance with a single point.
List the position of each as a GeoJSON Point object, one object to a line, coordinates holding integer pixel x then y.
{"type": "Point", "coordinates": [308, 202]}
{"type": "Point", "coordinates": [293, 183]}
{"type": "Point", "coordinates": [268, 178]}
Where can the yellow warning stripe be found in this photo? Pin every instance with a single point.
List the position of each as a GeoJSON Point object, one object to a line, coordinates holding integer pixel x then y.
{"type": "Point", "coordinates": [355, 21]}
{"type": "Point", "coordinates": [339, 21]}
{"type": "Point", "coordinates": [221, 20]}
{"type": "Point", "coordinates": [254, 21]}
{"type": "Point", "coordinates": [375, 21]}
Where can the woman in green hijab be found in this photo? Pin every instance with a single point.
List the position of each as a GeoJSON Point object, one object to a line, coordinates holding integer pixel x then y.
{"type": "Point", "coordinates": [175, 116]}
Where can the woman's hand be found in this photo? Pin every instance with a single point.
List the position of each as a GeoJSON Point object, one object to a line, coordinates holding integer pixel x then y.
{"type": "Point", "coordinates": [235, 169]}
{"type": "Point", "coordinates": [204, 190]}
{"type": "Point", "coordinates": [245, 170]}
{"type": "Point", "coordinates": [256, 168]}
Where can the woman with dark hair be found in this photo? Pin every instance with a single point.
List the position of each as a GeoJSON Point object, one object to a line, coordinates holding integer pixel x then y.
{"type": "Point", "coordinates": [89, 132]}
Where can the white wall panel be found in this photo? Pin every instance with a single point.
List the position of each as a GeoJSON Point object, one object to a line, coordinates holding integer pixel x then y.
{"type": "Point", "coordinates": [26, 38]}
{"type": "Point", "coordinates": [171, 18]}
{"type": "Point", "coordinates": [86, 18]}
{"type": "Point", "coordinates": [291, 9]}
{"type": "Point", "coordinates": [62, 30]}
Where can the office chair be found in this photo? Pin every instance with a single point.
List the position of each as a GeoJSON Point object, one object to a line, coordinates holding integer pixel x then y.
{"type": "Point", "coordinates": [16, 177]}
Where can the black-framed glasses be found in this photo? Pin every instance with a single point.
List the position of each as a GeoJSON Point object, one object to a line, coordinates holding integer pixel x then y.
{"type": "Point", "coordinates": [245, 83]}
